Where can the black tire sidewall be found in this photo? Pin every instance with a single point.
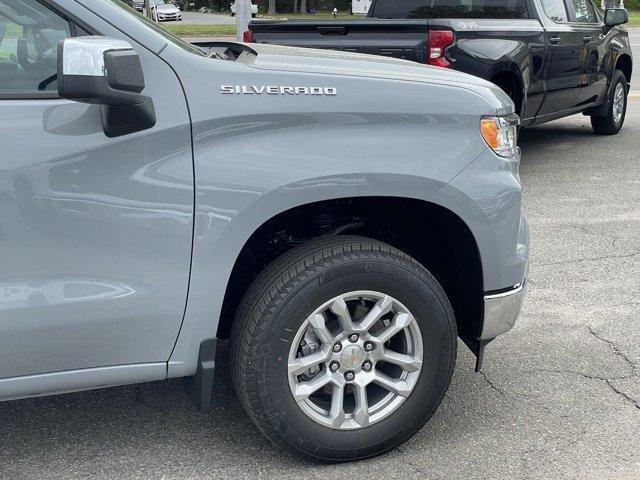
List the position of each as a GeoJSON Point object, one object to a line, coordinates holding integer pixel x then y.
{"type": "Point", "coordinates": [424, 298]}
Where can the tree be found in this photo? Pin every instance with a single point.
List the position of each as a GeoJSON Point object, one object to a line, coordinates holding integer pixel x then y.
{"type": "Point", "coordinates": [303, 6]}
{"type": "Point", "coordinates": [272, 7]}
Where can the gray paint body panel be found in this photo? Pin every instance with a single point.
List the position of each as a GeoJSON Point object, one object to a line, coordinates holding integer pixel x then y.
{"type": "Point", "coordinates": [395, 129]}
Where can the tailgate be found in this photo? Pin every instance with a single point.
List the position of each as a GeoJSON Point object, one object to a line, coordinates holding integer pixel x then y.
{"type": "Point", "coordinates": [405, 39]}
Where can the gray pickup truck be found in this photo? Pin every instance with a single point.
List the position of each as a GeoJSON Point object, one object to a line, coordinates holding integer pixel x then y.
{"type": "Point", "coordinates": [341, 218]}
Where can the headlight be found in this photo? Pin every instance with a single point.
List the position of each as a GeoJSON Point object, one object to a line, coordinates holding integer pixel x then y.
{"type": "Point", "coordinates": [501, 134]}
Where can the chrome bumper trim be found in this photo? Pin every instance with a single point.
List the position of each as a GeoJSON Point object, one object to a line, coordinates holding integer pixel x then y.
{"type": "Point", "coordinates": [501, 311]}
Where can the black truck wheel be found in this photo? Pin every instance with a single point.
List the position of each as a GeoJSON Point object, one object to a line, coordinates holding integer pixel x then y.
{"type": "Point", "coordinates": [612, 121]}
{"type": "Point", "coordinates": [343, 348]}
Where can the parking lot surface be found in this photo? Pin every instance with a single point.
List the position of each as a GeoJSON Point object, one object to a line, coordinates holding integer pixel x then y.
{"type": "Point", "coordinates": [559, 397]}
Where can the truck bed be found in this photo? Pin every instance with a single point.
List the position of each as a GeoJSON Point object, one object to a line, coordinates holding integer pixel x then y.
{"type": "Point", "coordinates": [405, 39]}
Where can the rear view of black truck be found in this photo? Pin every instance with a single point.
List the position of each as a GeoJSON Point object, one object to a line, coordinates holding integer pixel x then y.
{"type": "Point", "coordinates": [554, 58]}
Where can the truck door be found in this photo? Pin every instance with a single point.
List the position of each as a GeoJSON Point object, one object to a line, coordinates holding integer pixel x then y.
{"type": "Point", "coordinates": [588, 23]}
{"type": "Point", "coordinates": [564, 61]}
{"type": "Point", "coordinates": [95, 232]}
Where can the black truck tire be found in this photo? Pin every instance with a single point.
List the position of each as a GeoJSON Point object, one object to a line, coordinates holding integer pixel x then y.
{"type": "Point", "coordinates": [277, 309]}
{"type": "Point", "coordinates": [612, 121]}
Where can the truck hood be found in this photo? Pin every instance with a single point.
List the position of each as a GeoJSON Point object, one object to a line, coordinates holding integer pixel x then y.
{"type": "Point", "coordinates": [331, 62]}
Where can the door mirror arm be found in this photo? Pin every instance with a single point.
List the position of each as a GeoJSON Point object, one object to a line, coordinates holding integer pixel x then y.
{"type": "Point", "coordinates": [107, 72]}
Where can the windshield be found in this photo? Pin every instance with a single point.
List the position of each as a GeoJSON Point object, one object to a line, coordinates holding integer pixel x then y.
{"type": "Point", "coordinates": [510, 9]}
{"type": "Point", "coordinates": [146, 23]}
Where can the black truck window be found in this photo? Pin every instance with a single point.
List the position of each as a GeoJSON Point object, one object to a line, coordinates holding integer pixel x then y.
{"type": "Point", "coordinates": [511, 9]}
{"type": "Point", "coordinates": [585, 12]}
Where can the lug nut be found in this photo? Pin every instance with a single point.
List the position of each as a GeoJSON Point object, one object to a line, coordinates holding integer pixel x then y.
{"type": "Point", "coordinates": [349, 376]}
{"type": "Point", "coordinates": [337, 347]}
{"type": "Point", "coordinates": [334, 366]}
{"type": "Point", "coordinates": [353, 338]}
{"type": "Point", "coordinates": [366, 366]}
{"type": "Point", "coordinates": [369, 346]}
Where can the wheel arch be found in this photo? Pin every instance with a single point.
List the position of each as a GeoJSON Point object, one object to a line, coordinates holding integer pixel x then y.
{"type": "Point", "coordinates": [507, 75]}
{"type": "Point", "coordinates": [624, 63]}
{"type": "Point", "coordinates": [397, 221]}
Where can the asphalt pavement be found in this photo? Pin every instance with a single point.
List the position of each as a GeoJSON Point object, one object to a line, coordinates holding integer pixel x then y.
{"type": "Point", "coordinates": [559, 396]}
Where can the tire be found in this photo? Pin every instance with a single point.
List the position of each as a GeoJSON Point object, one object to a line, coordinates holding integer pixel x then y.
{"type": "Point", "coordinates": [276, 308]}
{"type": "Point", "coordinates": [612, 122]}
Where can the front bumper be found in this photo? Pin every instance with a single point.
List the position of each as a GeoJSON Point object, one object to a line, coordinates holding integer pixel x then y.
{"type": "Point", "coordinates": [501, 311]}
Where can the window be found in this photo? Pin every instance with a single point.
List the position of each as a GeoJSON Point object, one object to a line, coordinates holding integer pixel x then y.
{"type": "Point", "coordinates": [508, 9]}
{"type": "Point", "coordinates": [584, 11]}
{"type": "Point", "coordinates": [29, 36]}
{"type": "Point", "coordinates": [556, 10]}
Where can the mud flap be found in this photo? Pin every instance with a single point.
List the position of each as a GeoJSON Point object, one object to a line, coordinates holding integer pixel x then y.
{"type": "Point", "coordinates": [198, 388]}
{"type": "Point", "coordinates": [480, 353]}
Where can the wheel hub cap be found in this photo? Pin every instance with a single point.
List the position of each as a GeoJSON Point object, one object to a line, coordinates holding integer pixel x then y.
{"type": "Point", "coordinates": [351, 387]}
{"type": "Point", "coordinates": [352, 357]}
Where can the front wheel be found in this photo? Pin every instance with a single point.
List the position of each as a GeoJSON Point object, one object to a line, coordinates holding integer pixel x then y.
{"type": "Point", "coordinates": [343, 348]}
{"type": "Point", "coordinates": [612, 121]}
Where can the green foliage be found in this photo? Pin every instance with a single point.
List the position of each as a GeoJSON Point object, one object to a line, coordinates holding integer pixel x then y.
{"type": "Point", "coordinates": [632, 5]}
{"type": "Point", "coordinates": [12, 31]}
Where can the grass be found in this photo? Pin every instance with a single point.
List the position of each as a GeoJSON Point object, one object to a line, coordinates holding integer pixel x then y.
{"type": "Point", "coordinates": [199, 30]}
{"type": "Point", "coordinates": [634, 19]}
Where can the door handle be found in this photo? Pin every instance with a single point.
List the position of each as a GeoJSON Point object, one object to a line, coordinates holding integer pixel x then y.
{"type": "Point", "coordinates": [555, 40]}
{"type": "Point", "coordinates": [587, 39]}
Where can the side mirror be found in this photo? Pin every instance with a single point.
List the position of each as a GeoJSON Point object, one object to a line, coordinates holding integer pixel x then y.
{"type": "Point", "coordinates": [106, 71]}
{"type": "Point", "coordinates": [615, 16]}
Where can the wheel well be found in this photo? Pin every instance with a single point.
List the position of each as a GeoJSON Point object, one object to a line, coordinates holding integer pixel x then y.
{"type": "Point", "coordinates": [512, 86]}
{"type": "Point", "coordinates": [431, 234]}
{"type": "Point", "coordinates": [624, 64]}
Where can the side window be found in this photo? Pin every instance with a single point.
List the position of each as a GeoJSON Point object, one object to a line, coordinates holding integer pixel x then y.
{"type": "Point", "coordinates": [585, 13]}
{"type": "Point", "coordinates": [556, 10]}
{"type": "Point", "coordinates": [29, 36]}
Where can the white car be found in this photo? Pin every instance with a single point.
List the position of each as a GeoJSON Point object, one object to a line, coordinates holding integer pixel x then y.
{"type": "Point", "coordinates": [166, 12]}
{"type": "Point", "coordinates": [254, 10]}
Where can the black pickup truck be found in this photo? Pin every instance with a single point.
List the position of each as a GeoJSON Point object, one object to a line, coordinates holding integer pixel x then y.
{"type": "Point", "coordinates": [553, 57]}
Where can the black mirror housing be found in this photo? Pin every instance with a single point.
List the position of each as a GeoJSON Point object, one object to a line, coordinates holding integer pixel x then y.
{"type": "Point", "coordinates": [615, 16]}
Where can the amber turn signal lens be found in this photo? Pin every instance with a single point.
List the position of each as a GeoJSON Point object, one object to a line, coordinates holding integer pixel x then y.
{"type": "Point", "coordinates": [489, 131]}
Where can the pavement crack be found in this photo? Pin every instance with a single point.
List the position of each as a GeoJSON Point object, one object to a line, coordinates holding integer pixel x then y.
{"type": "Point", "coordinates": [627, 397]}
{"type": "Point", "coordinates": [607, 380]}
{"type": "Point", "coordinates": [615, 348]}
{"type": "Point", "coordinates": [575, 372]}
{"type": "Point", "coordinates": [492, 385]}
